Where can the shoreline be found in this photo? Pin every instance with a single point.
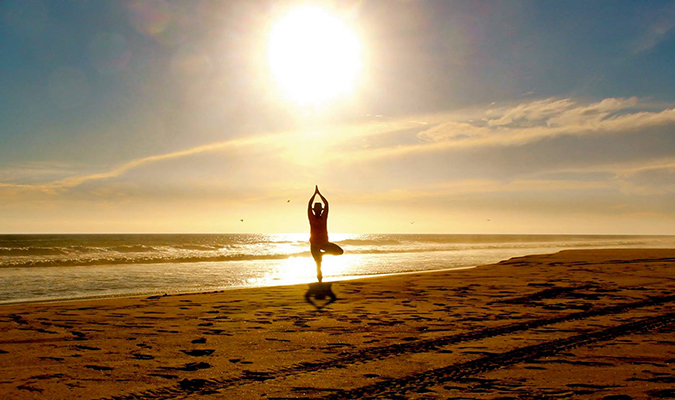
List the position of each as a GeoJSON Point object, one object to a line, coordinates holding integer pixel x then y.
{"type": "Point", "coordinates": [180, 293]}
{"type": "Point", "coordinates": [365, 255]}
{"type": "Point", "coordinates": [576, 323]}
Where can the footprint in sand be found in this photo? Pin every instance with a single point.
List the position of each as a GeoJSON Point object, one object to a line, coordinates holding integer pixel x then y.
{"type": "Point", "coordinates": [191, 366]}
{"type": "Point", "coordinates": [257, 376]}
{"type": "Point", "coordinates": [79, 335]}
{"type": "Point", "coordinates": [217, 332]}
{"type": "Point", "coordinates": [663, 394]}
{"type": "Point", "coordinates": [46, 376]}
{"type": "Point", "coordinates": [198, 353]}
{"type": "Point", "coordinates": [29, 388]}
{"type": "Point", "coordinates": [80, 347]}
{"type": "Point", "coordinates": [45, 331]}
{"type": "Point", "coordinates": [193, 384]}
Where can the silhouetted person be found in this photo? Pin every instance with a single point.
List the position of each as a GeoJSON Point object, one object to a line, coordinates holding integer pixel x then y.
{"type": "Point", "coordinates": [318, 236]}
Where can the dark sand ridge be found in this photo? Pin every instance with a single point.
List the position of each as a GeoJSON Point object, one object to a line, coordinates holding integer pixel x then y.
{"type": "Point", "coordinates": [575, 324]}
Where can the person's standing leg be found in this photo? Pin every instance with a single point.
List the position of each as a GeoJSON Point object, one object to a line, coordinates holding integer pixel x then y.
{"type": "Point", "coordinates": [316, 254]}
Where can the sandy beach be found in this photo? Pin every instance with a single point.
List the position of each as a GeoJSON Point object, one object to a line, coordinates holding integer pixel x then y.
{"type": "Point", "coordinates": [576, 324]}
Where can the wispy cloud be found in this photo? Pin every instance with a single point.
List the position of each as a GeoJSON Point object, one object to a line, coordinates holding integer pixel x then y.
{"type": "Point", "coordinates": [491, 126]}
{"type": "Point", "coordinates": [57, 186]}
{"type": "Point", "coordinates": [656, 31]}
{"type": "Point", "coordinates": [656, 178]}
{"type": "Point", "coordinates": [527, 123]}
{"type": "Point", "coordinates": [292, 144]}
{"type": "Point", "coordinates": [662, 165]}
{"type": "Point", "coordinates": [119, 170]}
{"type": "Point", "coordinates": [462, 188]}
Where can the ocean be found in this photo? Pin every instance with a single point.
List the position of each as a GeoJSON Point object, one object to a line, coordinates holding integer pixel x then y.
{"type": "Point", "coordinates": [63, 267]}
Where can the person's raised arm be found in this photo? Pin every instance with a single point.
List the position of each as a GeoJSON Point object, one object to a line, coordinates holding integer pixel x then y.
{"type": "Point", "coordinates": [324, 201]}
{"type": "Point", "coordinates": [309, 205]}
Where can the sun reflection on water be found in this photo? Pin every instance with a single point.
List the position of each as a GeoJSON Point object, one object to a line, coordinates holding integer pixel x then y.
{"type": "Point", "coordinates": [288, 272]}
{"type": "Point", "coordinates": [296, 270]}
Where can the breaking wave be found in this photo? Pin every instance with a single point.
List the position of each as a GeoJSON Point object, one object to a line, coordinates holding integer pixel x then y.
{"type": "Point", "coordinates": [30, 251]}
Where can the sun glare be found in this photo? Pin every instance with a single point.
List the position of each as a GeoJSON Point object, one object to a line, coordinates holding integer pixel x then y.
{"type": "Point", "coordinates": [314, 56]}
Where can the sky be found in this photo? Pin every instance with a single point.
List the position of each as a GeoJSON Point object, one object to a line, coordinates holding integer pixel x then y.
{"type": "Point", "coordinates": [458, 117]}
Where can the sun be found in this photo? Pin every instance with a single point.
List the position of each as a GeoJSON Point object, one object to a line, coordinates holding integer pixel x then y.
{"type": "Point", "coordinates": [314, 56]}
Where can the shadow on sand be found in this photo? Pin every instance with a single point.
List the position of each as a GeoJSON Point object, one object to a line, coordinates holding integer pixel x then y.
{"type": "Point", "coordinates": [317, 294]}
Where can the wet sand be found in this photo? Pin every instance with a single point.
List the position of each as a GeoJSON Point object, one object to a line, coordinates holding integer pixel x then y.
{"type": "Point", "coordinates": [575, 324]}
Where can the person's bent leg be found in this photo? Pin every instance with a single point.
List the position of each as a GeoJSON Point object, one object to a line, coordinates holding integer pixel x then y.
{"type": "Point", "coordinates": [332, 249]}
{"type": "Point", "coordinates": [317, 255]}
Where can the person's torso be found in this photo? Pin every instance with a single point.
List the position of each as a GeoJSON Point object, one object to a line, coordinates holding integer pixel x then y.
{"type": "Point", "coordinates": [318, 233]}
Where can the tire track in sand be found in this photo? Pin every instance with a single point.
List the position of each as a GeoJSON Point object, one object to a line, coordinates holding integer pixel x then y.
{"type": "Point", "coordinates": [196, 386]}
{"type": "Point", "coordinates": [400, 386]}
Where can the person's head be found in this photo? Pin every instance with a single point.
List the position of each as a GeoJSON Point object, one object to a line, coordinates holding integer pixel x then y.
{"type": "Point", "coordinates": [318, 209]}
